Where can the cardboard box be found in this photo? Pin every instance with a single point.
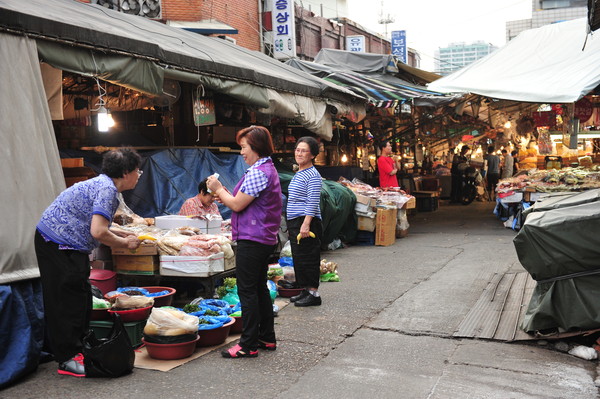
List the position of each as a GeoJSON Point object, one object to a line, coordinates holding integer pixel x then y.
{"type": "Point", "coordinates": [143, 249]}
{"type": "Point", "coordinates": [366, 223]}
{"type": "Point", "coordinates": [531, 196]}
{"type": "Point", "coordinates": [410, 204]}
{"type": "Point", "coordinates": [364, 203]}
{"type": "Point", "coordinates": [137, 264]}
{"type": "Point", "coordinates": [385, 226]}
{"type": "Point", "coordinates": [192, 266]}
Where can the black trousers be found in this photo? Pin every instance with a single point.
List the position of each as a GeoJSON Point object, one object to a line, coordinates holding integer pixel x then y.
{"type": "Point", "coordinates": [307, 254]}
{"type": "Point", "coordinates": [67, 296]}
{"type": "Point", "coordinates": [252, 263]}
{"type": "Point", "coordinates": [456, 189]}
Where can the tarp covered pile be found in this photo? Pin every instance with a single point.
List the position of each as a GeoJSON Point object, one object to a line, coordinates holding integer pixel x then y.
{"type": "Point", "coordinates": [559, 245]}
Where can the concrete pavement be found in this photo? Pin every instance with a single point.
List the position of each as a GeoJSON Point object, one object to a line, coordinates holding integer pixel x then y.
{"type": "Point", "coordinates": [385, 330]}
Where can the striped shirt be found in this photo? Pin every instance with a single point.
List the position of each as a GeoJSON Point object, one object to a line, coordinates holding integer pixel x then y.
{"type": "Point", "coordinates": [255, 180]}
{"type": "Point", "coordinates": [304, 194]}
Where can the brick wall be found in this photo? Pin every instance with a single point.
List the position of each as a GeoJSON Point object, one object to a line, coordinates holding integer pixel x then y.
{"type": "Point", "coordinates": [314, 33]}
{"type": "Point", "coordinates": [240, 14]}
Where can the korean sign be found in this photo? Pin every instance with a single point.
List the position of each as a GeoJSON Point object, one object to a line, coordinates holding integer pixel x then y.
{"type": "Point", "coordinates": [355, 43]}
{"type": "Point", "coordinates": [284, 35]}
{"type": "Point", "coordinates": [399, 45]}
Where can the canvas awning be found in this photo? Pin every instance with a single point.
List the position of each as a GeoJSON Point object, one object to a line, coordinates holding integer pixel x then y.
{"type": "Point", "coordinates": [369, 75]}
{"type": "Point", "coordinates": [138, 53]}
{"type": "Point", "coordinates": [204, 27]}
{"type": "Point", "coordinates": [556, 63]}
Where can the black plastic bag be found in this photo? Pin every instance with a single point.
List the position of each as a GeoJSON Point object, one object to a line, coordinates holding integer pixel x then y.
{"type": "Point", "coordinates": [108, 357]}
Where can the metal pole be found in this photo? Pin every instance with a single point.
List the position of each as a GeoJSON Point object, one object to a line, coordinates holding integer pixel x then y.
{"type": "Point", "coordinates": [260, 27]}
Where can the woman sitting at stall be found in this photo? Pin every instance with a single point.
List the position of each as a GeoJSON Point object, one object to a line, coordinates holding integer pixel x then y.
{"type": "Point", "coordinates": [202, 204]}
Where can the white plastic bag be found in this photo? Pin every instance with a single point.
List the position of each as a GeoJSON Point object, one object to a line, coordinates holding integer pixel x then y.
{"type": "Point", "coordinates": [169, 322]}
{"type": "Point", "coordinates": [584, 352]}
{"type": "Point", "coordinates": [286, 251]}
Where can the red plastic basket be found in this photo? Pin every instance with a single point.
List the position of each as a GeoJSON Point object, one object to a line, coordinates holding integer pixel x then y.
{"type": "Point", "coordinates": [133, 314]}
{"type": "Point", "coordinates": [171, 351]}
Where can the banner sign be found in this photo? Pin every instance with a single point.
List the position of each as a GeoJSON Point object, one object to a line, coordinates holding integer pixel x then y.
{"type": "Point", "coordinates": [204, 111]}
{"type": "Point", "coordinates": [284, 33]}
{"type": "Point", "coordinates": [355, 43]}
{"type": "Point", "coordinates": [399, 48]}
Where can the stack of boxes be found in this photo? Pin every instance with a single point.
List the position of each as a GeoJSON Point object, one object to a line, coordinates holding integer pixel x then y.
{"type": "Point", "coordinates": [379, 221]}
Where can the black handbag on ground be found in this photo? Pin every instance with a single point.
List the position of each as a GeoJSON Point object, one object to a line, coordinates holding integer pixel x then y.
{"type": "Point", "coordinates": [108, 357]}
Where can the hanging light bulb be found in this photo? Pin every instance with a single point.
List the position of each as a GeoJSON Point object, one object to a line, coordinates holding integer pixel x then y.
{"type": "Point", "coordinates": [507, 124]}
{"type": "Point", "coordinates": [103, 119]}
{"type": "Point", "coordinates": [111, 121]}
{"type": "Point", "coordinates": [344, 158]}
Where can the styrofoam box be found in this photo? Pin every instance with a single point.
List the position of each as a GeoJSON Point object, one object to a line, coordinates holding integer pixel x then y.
{"type": "Point", "coordinates": [174, 221]}
{"type": "Point", "coordinates": [516, 197]}
{"type": "Point", "coordinates": [192, 266]}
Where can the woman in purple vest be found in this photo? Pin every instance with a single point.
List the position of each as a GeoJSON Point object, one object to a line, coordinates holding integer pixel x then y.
{"type": "Point", "coordinates": [256, 205]}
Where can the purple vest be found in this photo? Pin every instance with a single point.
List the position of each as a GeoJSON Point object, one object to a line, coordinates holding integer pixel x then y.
{"type": "Point", "coordinates": [261, 219]}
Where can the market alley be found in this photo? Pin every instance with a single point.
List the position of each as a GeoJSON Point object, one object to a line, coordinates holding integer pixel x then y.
{"type": "Point", "coordinates": [386, 329]}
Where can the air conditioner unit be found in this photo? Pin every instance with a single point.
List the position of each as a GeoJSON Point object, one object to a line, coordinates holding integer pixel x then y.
{"type": "Point", "coordinates": [227, 38]}
{"type": "Point", "coordinates": [143, 8]}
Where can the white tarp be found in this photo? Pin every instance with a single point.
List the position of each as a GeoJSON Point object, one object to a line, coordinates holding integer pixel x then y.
{"type": "Point", "coordinates": [30, 172]}
{"type": "Point", "coordinates": [543, 65]}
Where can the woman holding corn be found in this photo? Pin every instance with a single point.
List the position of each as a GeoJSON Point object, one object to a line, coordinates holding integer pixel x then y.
{"type": "Point", "coordinates": [304, 222]}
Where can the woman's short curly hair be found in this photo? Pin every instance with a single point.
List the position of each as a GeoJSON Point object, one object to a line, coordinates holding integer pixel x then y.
{"type": "Point", "coordinates": [117, 163]}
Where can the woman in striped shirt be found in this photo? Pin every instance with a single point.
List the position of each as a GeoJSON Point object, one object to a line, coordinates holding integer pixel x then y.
{"type": "Point", "coordinates": [304, 217]}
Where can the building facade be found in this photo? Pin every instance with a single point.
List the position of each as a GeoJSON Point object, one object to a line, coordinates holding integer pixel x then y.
{"type": "Point", "coordinates": [458, 55]}
{"type": "Point", "coordinates": [326, 8]}
{"type": "Point", "coordinates": [545, 12]}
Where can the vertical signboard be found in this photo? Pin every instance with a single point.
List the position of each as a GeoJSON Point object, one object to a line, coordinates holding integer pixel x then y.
{"type": "Point", "coordinates": [284, 34]}
{"type": "Point", "coordinates": [355, 43]}
{"type": "Point", "coordinates": [399, 45]}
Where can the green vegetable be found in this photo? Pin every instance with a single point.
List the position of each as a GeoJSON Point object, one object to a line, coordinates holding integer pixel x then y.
{"type": "Point", "coordinates": [203, 321]}
{"type": "Point", "coordinates": [229, 282]}
{"type": "Point", "coordinates": [221, 291]}
{"type": "Point", "coordinates": [189, 308]}
{"type": "Point", "coordinates": [211, 313]}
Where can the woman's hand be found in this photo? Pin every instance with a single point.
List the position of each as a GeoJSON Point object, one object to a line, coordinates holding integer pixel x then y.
{"type": "Point", "coordinates": [217, 197]}
{"type": "Point", "coordinates": [213, 184]}
{"type": "Point", "coordinates": [305, 230]}
{"type": "Point", "coordinates": [132, 242]}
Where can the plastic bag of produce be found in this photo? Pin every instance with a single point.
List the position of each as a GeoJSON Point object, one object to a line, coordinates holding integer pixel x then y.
{"type": "Point", "coordinates": [165, 321]}
{"type": "Point", "coordinates": [286, 251]}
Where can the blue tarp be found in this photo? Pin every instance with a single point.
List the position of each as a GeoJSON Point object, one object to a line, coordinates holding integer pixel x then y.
{"type": "Point", "coordinates": [21, 329]}
{"type": "Point", "coordinates": [172, 176]}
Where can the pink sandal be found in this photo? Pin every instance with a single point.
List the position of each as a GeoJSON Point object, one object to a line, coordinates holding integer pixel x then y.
{"type": "Point", "coordinates": [236, 351]}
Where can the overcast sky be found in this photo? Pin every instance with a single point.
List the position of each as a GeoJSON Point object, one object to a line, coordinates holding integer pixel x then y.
{"type": "Point", "coordinates": [431, 24]}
